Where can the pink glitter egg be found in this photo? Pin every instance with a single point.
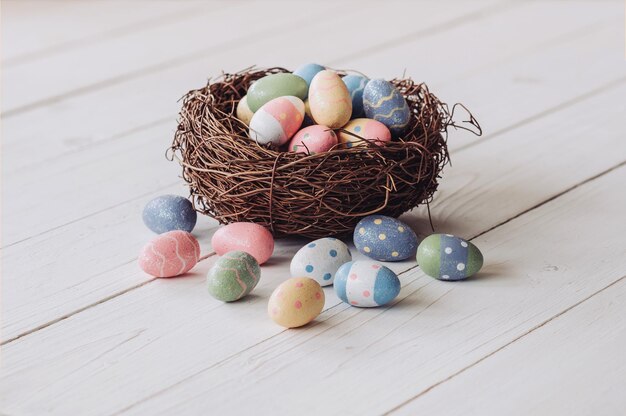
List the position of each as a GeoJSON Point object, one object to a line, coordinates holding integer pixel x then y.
{"type": "Point", "coordinates": [313, 139]}
{"type": "Point", "coordinates": [249, 237]}
{"type": "Point", "coordinates": [170, 254]}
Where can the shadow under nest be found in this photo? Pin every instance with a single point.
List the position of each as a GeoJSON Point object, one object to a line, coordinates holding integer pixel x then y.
{"type": "Point", "coordinates": [232, 178]}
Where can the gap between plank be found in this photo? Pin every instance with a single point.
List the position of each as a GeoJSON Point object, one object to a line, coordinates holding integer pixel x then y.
{"type": "Point", "coordinates": [497, 350]}
{"type": "Point", "coordinates": [384, 309]}
{"type": "Point", "coordinates": [172, 63]}
{"type": "Point", "coordinates": [515, 125]}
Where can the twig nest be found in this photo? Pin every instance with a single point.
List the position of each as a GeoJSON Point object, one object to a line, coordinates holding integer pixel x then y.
{"type": "Point", "coordinates": [235, 178]}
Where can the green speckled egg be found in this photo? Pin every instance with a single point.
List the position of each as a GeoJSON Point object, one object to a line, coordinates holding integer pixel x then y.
{"type": "Point", "coordinates": [447, 257]}
{"type": "Point", "coordinates": [233, 276]}
{"type": "Point", "coordinates": [274, 86]}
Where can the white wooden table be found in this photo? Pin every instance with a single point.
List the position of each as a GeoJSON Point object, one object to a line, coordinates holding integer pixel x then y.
{"type": "Point", "coordinates": [89, 104]}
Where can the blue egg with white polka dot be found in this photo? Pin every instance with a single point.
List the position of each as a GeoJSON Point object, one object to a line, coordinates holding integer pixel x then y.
{"type": "Point", "coordinates": [385, 239]}
{"type": "Point", "coordinates": [356, 85]}
{"type": "Point", "coordinates": [168, 213]}
{"type": "Point", "coordinates": [320, 260]}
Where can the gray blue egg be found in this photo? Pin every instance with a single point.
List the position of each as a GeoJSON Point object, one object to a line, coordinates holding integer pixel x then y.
{"type": "Point", "coordinates": [384, 103]}
{"type": "Point", "coordinates": [356, 84]}
{"type": "Point", "coordinates": [169, 212]}
{"type": "Point", "coordinates": [366, 284]}
{"type": "Point", "coordinates": [384, 238]}
{"type": "Point", "coordinates": [308, 71]}
{"type": "Point", "coordinates": [320, 260]}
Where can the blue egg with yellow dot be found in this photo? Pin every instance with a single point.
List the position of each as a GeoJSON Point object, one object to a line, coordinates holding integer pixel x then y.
{"type": "Point", "coordinates": [168, 213]}
{"type": "Point", "coordinates": [320, 260]}
{"type": "Point", "coordinates": [385, 239]}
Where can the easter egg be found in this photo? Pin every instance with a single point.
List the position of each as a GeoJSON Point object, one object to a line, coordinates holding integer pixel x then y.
{"type": "Point", "coordinates": [307, 72]}
{"type": "Point", "coordinates": [313, 139]}
{"type": "Point", "coordinates": [329, 100]}
{"type": "Point", "coordinates": [170, 254]}
{"type": "Point", "coordinates": [169, 212]}
{"type": "Point", "coordinates": [243, 111]}
{"type": "Point", "coordinates": [277, 121]}
{"type": "Point", "coordinates": [356, 85]}
{"type": "Point", "coordinates": [366, 284]}
{"type": "Point", "coordinates": [233, 276]}
{"type": "Point", "coordinates": [447, 257]}
{"type": "Point", "coordinates": [367, 130]}
{"type": "Point", "coordinates": [249, 237]}
{"type": "Point", "coordinates": [273, 86]}
{"type": "Point", "coordinates": [384, 238]}
{"type": "Point", "coordinates": [384, 103]}
{"type": "Point", "coordinates": [296, 302]}
{"type": "Point", "coordinates": [320, 260]}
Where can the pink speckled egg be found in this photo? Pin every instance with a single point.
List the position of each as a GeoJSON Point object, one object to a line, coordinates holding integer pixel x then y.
{"type": "Point", "coordinates": [329, 100]}
{"type": "Point", "coordinates": [296, 302]}
{"type": "Point", "coordinates": [170, 254]}
{"type": "Point", "coordinates": [277, 121]}
{"type": "Point", "coordinates": [366, 128]}
{"type": "Point", "coordinates": [249, 237]}
{"type": "Point", "coordinates": [313, 139]}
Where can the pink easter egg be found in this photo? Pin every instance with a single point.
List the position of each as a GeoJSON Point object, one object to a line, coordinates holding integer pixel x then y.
{"type": "Point", "coordinates": [366, 128]}
{"type": "Point", "coordinates": [316, 139]}
{"type": "Point", "coordinates": [277, 120]}
{"type": "Point", "coordinates": [170, 254]}
{"type": "Point", "coordinates": [249, 237]}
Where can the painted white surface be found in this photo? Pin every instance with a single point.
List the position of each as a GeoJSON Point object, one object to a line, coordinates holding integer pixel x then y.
{"type": "Point", "coordinates": [85, 332]}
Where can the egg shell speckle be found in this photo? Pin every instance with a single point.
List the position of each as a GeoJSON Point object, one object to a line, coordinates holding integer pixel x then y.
{"type": "Point", "coordinates": [249, 237]}
{"type": "Point", "coordinates": [329, 100]}
{"type": "Point", "coordinates": [313, 139]}
{"type": "Point", "coordinates": [296, 302]}
{"type": "Point", "coordinates": [243, 111]}
{"type": "Point", "coordinates": [169, 212]}
{"type": "Point", "coordinates": [273, 86]}
{"type": "Point", "coordinates": [320, 260]}
{"type": "Point", "coordinates": [366, 284]}
{"type": "Point", "coordinates": [233, 276]}
{"type": "Point", "coordinates": [384, 238]}
{"type": "Point", "coordinates": [307, 72]}
{"type": "Point", "coordinates": [447, 257]}
{"type": "Point", "coordinates": [367, 130]}
{"type": "Point", "coordinates": [170, 254]}
{"type": "Point", "coordinates": [384, 103]}
{"type": "Point", "coordinates": [277, 121]}
{"type": "Point", "coordinates": [356, 84]}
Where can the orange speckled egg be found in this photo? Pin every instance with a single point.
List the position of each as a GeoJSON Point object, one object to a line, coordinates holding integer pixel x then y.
{"type": "Point", "coordinates": [366, 128]}
{"type": "Point", "coordinates": [296, 302]}
{"type": "Point", "coordinates": [329, 100]}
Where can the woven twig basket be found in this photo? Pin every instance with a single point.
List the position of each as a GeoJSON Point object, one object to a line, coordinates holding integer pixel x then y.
{"type": "Point", "coordinates": [232, 178]}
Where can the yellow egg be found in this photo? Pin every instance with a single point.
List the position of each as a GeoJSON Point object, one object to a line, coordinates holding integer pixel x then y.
{"type": "Point", "coordinates": [296, 302]}
{"type": "Point", "coordinates": [329, 100]}
{"type": "Point", "coordinates": [243, 111]}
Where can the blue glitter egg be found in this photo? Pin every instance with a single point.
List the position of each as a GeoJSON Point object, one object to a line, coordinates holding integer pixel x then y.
{"type": "Point", "coordinates": [385, 238]}
{"type": "Point", "coordinates": [320, 260]}
{"type": "Point", "coordinates": [384, 103]}
{"type": "Point", "coordinates": [307, 72]}
{"type": "Point", "coordinates": [169, 212]}
{"type": "Point", "coordinates": [356, 84]}
{"type": "Point", "coordinates": [366, 284]}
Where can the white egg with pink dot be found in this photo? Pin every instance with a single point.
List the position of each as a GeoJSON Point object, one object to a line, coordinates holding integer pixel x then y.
{"type": "Point", "coordinates": [366, 284]}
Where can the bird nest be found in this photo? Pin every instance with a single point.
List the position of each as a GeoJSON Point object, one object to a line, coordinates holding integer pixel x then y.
{"type": "Point", "coordinates": [233, 178]}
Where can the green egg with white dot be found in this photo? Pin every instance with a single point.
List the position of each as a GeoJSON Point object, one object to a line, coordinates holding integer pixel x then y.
{"type": "Point", "coordinates": [448, 257]}
{"type": "Point", "coordinates": [233, 276]}
{"type": "Point", "coordinates": [320, 260]}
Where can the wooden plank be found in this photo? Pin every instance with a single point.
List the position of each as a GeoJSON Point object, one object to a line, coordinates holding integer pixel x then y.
{"type": "Point", "coordinates": [103, 278]}
{"type": "Point", "coordinates": [437, 328]}
{"type": "Point", "coordinates": [33, 29]}
{"type": "Point", "coordinates": [169, 46]}
{"type": "Point", "coordinates": [572, 365]}
{"type": "Point", "coordinates": [123, 349]}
